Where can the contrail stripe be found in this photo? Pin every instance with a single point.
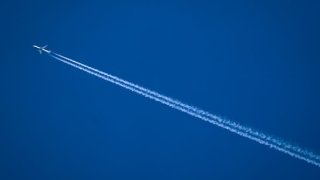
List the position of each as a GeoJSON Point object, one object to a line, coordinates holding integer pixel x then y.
{"type": "Point", "coordinates": [290, 150]}
{"type": "Point", "coordinates": [248, 130]}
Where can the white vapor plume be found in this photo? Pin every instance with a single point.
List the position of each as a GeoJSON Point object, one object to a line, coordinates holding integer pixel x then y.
{"type": "Point", "coordinates": [241, 130]}
{"type": "Point", "coordinates": [248, 130]}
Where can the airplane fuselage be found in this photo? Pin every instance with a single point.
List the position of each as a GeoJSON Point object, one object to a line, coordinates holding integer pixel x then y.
{"type": "Point", "coordinates": [42, 49]}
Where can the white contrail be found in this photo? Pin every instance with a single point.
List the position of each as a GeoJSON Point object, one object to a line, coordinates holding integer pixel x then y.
{"type": "Point", "coordinates": [261, 138]}
{"type": "Point", "coordinates": [237, 126]}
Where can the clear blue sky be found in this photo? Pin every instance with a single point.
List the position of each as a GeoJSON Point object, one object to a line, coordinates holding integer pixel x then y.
{"type": "Point", "coordinates": [253, 62]}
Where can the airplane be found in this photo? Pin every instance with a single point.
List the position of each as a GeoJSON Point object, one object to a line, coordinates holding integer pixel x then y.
{"type": "Point", "coordinates": [40, 49]}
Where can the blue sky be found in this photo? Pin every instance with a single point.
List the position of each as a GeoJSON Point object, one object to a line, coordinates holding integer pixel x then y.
{"type": "Point", "coordinates": [256, 63]}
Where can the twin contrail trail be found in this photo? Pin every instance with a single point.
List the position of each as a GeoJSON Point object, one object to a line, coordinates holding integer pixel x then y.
{"type": "Point", "coordinates": [241, 130]}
